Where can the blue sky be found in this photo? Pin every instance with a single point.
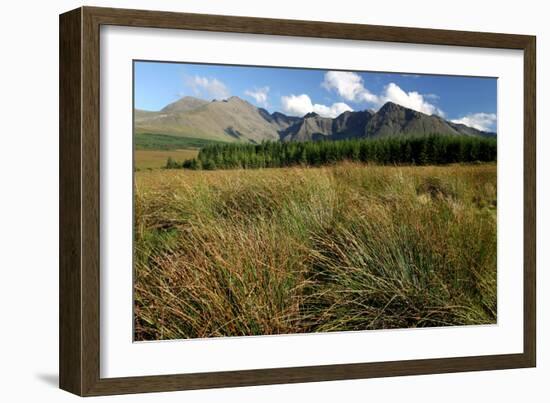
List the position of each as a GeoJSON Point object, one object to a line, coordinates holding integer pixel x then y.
{"type": "Point", "coordinates": [468, 100]}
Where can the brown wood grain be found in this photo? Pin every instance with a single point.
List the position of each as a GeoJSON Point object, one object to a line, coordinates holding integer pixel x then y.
{"type": "Point", "coordinates": [80, 196]}
{"type": "Point", "coordinates": [70, 186]}
{"type": "Point", "coordinates": [530, 201]}
{"type": "Point", "coordinates": [90, 202]}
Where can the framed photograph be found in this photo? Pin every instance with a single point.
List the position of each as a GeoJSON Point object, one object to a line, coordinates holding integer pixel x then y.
{"type": "Point", "coordinates": [248, 201]}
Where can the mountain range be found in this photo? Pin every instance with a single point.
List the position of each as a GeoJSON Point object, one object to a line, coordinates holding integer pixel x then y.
{"type": "Point", "coordinates": [235, 119]}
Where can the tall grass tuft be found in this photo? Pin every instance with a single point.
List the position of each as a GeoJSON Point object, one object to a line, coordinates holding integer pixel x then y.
{"type": "Point", "coordinates": [293, 250]}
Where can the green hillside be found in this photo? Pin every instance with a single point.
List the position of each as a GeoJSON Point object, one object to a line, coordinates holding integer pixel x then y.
{"type": "Point", "coordinates": [155, 141]}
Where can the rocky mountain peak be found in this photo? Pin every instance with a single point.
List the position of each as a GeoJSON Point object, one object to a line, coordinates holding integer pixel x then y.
{"type": "Point", "coordinates": [311, 115]}
{"type": "Point", "coordinates": [184, 104]}
{"type": "Point", "coordinates": [235, 119]}
{"type": "Point", "coordinates": [389, 107]}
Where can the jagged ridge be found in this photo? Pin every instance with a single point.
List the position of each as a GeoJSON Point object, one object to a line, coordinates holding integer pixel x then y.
{"type": "Point", "coordinates": [235, 119]}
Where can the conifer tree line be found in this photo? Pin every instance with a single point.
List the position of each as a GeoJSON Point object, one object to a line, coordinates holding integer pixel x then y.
{"type": "Point", "coordinates": [424, 150]}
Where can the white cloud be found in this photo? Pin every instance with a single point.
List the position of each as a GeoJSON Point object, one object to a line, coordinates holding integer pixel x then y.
{"type": "Point", "coordinates": [349, 86]}
{"type": "Point", "coordinates": [479, 121]}
{"type": "Point", "coordinates": [259, 95]}
{"type": "Point", "coordinates": [211, 87]}
{"type": "Point", "coordinates": [435, 97]}
{"type": "Point", "coordinates": [411, 100]}
{"type": "Point", "coordinates": [299, 105]}
{"type": "Point", "coordinates": [332, 111]}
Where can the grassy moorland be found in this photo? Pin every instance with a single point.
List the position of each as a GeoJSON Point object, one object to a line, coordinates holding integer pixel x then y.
{"type": "Point", "coordinates": [348, 246]}
{"type": "Point", "coordinates": [155, 159]}
{"type": "Point", "coordinates": [153, 150]}
{"type": "Point", "coordinates": [153, 141]}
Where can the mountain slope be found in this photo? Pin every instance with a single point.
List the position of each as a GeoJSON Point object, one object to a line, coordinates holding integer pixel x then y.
{"type": "Point", "coordinates": [392, 119]}
{"type": "Point", "coordinates": [310, 127]}
{"type": "Point", "coordinates": [352, 124]}
{"type": "Point", "coordinates": [235, 119]}
{"type": "Point", "coordinates": [184, 104]}
{"type": "Point", "coordinates": [228, 120]}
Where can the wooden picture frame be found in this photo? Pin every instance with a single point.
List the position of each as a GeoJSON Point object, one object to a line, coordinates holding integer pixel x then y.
{"type": "Point", "coordinates": [79, 346]}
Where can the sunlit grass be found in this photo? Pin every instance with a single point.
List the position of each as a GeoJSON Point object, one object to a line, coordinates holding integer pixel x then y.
{"type": "Point", "coordinates": [156, 159]}
{"type": "Point", "coordinates": [293, 250]}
